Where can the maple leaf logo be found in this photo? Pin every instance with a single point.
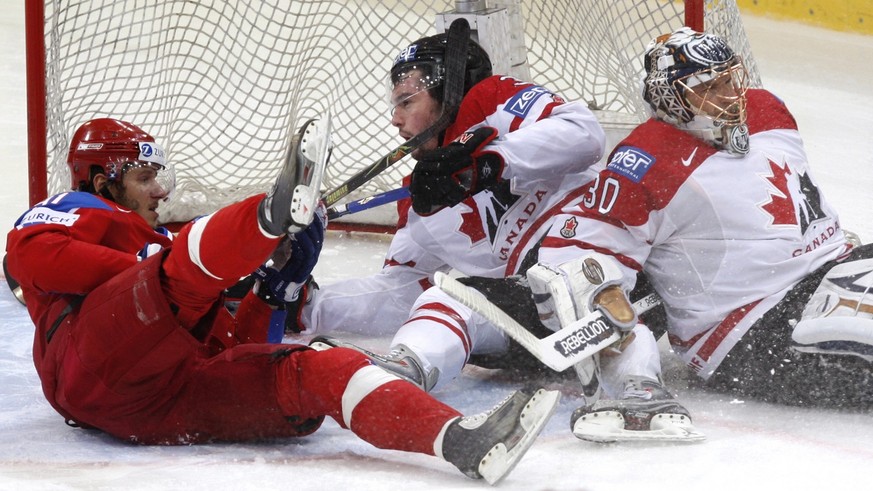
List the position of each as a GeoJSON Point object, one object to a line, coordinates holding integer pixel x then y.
{"type": "Point", "coordinates": [780, 206]}
{"type": "Point", "coordinates": [501, 199]}
{"type": "Point", "coordinates": [471, 224]}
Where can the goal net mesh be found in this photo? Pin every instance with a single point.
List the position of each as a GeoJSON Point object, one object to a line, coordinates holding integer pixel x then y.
{"type": "Point", "coordinates": [223, 84]}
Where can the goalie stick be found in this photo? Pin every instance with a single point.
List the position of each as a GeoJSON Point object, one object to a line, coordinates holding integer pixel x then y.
{"type": "Point", "coordinates": [558, 351]}
{"type": "Point", "coordinates": [456, 55]}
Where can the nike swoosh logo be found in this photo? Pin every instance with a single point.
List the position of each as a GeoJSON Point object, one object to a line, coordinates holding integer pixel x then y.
{"type": "Point", "coordinates": [687, 162]}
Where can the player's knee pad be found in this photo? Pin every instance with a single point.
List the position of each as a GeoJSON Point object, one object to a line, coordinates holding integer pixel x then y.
{"type": "Point", "coordinates": [838, 318]}
{"type": "Point", "coordinates": [572, 290]}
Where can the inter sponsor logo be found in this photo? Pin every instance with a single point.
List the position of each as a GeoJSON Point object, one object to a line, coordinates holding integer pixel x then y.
{"type": "Point", "coordinates": [521, 103]}
{"type": "Point", "coordinates": [592, 333]}
{"type": "Point", "coordinates": [38, 216]}
{"type": "Point", "coordinates": [631, 162]}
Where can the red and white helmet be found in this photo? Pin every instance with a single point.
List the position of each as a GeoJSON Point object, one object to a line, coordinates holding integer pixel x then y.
{"type": "Point", "coordinates": [116, 146]}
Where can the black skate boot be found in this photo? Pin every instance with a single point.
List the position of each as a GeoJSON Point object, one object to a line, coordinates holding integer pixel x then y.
{"type": "Point", "coordinates": [490, 444]}
{"type": "Point", "coordinates": [646, 411]}
{"type": "Point", "coordinates": [401, 361]}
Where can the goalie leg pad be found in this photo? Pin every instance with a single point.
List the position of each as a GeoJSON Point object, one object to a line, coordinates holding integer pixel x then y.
{"type": "Point", "coordinates": [838, 319]}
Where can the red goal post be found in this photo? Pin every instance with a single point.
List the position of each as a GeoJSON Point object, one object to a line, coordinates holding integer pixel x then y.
{"type": "Point", "coordinates": [220, 83]}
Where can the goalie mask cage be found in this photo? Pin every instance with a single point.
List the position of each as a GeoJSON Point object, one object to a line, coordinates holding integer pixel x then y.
{"type": "Point", "coordinates": [222, 85]}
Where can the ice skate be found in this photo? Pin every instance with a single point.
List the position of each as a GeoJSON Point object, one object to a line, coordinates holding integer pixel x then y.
{"type": "Point", "coordinates": [290, 205]}
{"type": "Point", "coordinates": [401, 361]}
{"type": "Point", "coordinates": [646, 412]}
{"type": "Point", "coordinates": [490, 444]}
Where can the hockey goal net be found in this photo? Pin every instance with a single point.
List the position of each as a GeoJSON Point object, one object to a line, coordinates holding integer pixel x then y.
{"type": "Point", "coordinates": [222, 84]}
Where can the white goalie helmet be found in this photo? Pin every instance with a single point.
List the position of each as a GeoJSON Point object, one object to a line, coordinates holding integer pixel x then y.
{"type": "Point", "coordinates": [695, 82]}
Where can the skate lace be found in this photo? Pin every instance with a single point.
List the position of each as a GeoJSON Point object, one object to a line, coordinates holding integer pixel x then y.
{"type": "Point", "coordinates": [396, 355]}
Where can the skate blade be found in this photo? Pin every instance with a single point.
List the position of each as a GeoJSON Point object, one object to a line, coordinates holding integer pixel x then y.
{"type": "Point", "coordinates": [609, 428]}
{"type": "Point", "coordinates": [499, 460]}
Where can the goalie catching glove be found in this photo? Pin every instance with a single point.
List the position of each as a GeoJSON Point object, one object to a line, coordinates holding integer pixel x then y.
{"type": "Point", "coordinates": [447, 175]}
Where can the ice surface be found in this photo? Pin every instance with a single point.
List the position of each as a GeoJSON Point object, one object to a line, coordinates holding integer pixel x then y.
{"type": "Point", "coordinates": [824, 77]}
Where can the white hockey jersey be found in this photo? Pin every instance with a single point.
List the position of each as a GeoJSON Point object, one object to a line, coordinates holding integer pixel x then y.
{"type": "Point", "coordinates": [721, 238]}
{"type": "Point", "coordinates": [548, 146]}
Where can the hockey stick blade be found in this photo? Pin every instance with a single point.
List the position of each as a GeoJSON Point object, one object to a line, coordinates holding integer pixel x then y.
{"type": "Point", "coordinates": [456, 55]}
{"type": "Point", "coordinates": [558, 351]}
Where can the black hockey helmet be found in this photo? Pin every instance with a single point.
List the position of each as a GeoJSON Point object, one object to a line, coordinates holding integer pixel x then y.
{"type": "Point", "coordinates": [428, 55]}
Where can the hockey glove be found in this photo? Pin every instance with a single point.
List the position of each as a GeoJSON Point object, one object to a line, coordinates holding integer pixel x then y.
{"type": "Point", "coordinates": [148, 250]}
{"type": "Point", "coordinates": [575, 289]}
{"type": "Point", "coordinates": [290, 266]}
{"type": "Point", "coordinates": [152, 248]}
{"type": "Point", "coordinates": [447, 175]}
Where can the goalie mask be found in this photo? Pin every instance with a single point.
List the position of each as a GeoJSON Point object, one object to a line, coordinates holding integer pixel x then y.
{"type": "Point", "coordinates": [422, 65]}
{"type": "Point", "coordinates": [115, 147]}
{"type": "Point", "coordinates": [695, 82]}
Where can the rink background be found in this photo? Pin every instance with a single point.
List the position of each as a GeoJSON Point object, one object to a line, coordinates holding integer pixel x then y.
{"type": "Point", "coordinates": [824, 77]}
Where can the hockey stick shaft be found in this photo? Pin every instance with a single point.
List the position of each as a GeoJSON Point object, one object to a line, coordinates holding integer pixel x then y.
{"type": "Point", "coordinates": [560, 350]}
{"type": "Point", "coordinates": [456, 56]}
{"type": "Point", "coordinates": [367, 203]}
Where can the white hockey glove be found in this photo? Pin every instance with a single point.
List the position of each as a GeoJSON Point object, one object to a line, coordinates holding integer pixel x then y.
{"type": "Point", "coordinates": [568, 292]}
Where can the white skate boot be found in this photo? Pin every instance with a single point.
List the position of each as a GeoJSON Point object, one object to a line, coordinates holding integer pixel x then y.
{"type": "Point", "coordinates": [646, 412]}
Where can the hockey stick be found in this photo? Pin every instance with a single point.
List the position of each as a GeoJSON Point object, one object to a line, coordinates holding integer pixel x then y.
{"type": "Point", "coordinates": [367, 203]}
{"type": "Point", "coordinates": [558, 351]}
{"type": "Point", "coordinates": [456, 55]}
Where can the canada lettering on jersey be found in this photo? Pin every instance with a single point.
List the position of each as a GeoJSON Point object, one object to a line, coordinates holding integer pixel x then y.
{"type": "Point", "coordinates": [529, 211]}
{"type": "Point", "coordinates": [631, 162]}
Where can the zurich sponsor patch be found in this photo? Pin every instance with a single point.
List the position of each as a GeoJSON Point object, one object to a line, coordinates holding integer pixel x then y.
{"type": "Point", "coordinates": [152, 152]}
{"type": "Point", "coordinates": [521, 103]}
{"type": "Point", "coordinates": [631, 162]}
{"type": "Point", "coordinates": [47, 216]}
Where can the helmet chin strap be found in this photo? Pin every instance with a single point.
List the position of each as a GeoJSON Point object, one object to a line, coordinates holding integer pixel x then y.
{"type": "Point", "coordinates": [733, 139]}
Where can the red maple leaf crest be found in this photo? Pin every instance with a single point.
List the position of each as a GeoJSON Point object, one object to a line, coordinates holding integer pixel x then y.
{"type": "Point", "coordinates": [472, 224]}
{"type": "Point", "coordinates": [780, 206]}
